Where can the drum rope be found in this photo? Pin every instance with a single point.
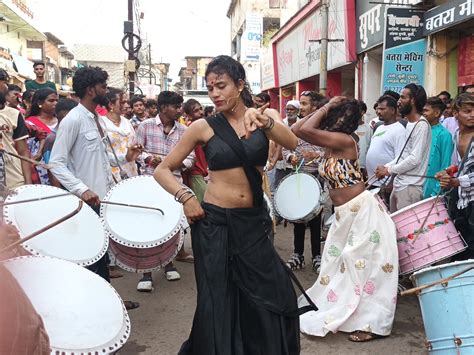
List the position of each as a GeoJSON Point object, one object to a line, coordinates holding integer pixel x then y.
{"type": "Point", "coordinates": [298, 181]}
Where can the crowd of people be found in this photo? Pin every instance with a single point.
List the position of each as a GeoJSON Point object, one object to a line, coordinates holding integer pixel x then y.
{"type": "Point", "coordinates": [213, 160]}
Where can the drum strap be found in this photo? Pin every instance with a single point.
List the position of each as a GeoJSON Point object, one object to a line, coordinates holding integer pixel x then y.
{"type": "Point", "coordinates": [224, 130]}
{"type": "Point", "coordinates": [106, 137]}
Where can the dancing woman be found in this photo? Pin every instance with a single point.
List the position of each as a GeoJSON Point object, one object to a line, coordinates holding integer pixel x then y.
{"type": "Point", "coordinates": [357, 285]}
{"type": "Point", "coordinates": [245, 300]}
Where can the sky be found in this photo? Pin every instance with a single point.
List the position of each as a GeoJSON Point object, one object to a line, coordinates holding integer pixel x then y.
{"type": "Point", "coordinates": [174, 28]}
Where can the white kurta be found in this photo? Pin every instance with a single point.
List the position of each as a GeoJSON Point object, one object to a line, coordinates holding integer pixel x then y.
{"type": "Point", "coordinates": [357, 285]}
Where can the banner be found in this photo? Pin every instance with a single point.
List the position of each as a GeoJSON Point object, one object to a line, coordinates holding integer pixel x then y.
{"type": "Point", "coordinates": [448, 15]}
{"type": "Point", "coordinates": [404, 49]}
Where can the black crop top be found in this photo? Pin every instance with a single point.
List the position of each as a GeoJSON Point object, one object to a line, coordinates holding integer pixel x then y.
{"type": "Point", "coordinates": [220, 156]}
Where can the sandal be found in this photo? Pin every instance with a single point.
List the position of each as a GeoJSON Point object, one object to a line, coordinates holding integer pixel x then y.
{"type": "Point", "coordinates": [131, 305]}
{"type": "Point", "coordinates": [360, 336]}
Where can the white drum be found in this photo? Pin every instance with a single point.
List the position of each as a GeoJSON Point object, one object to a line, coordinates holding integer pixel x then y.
{"type": "Point", "coordinates": [80, 239]}
{"type": "Point", "coordinates": [298, 197]}
{"type": "Point", "coordinates": [142, 239]}
{"type": "Point", "coordinates": [82, 313]}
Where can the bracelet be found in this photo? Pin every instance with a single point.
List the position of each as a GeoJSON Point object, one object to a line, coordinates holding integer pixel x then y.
{"type": "Point", "coordinates": [181, 192]}
{"type": "Point", "coordinates": [186, 197]}
{"type": "Point", "coordinates": [190, 197]}
{"type": "Point", "coordinates": [270, 124]}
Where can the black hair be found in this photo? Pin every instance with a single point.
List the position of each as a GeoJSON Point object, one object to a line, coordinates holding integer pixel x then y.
{"type": "Point", "coordinates": [436, 103]}
{"type": "Point", "coordinates": [28, 95]}
{"type": "Point", "coordinates": [135, 99]}
{"type": "Point", "coordinates": [362, 106]}
{"type": "Point", "coordinates": [351, 113]}
{"type": "Point", "coordinates": [465, 98]}
{"type": "Point", "coordinates": [223, 64]}
{"type": "Point", "coordinates": [150, 103]}
{"type": "Point", "coordinates": [35, 64]}
{"type": "Point", "coordinates": [208, 110]}
{"type": "Point", "coordinates": [418, 93]}
{"type": "Point", "coordinates": [189, 105]}
{"type": "Point", "coordinates": [13, 87]}
{"type": "Point", "coordinates": [315, 97]}
{"type": "Point", "coordinates": [389, 100]}
{"type": "Point", "coordinates": [4, 75]}
{"type": "Point", "coordinates": [65, 104]}
{"type": "Point", "coordinates": [39, 97]}
{"type": "Point", "coordinates": [111, 96]}
{"type": "Point", "coordinates": [393, 94]}
{"type": "Point", "coordinates": [87, 77]}
{"type": "Point", "coordinates": [169, 98]}
{"type": "Point", "coordinates": [264, 96]}
{"type": "Point", "coordinates": [445, 93]}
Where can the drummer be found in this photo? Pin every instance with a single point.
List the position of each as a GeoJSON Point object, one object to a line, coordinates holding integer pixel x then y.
{"type": "Point", "coordinates": [306, 155]}
{"type": "Point", "coordinates": [79, 160]}
{"type": "Point", "coordinates": [158, 136]}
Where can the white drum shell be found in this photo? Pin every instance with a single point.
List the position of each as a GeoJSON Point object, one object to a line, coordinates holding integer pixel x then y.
{"type": "Point", "coordinates": [297, 197]}
{"type": "Point", "coordinates": [82, 313]}
{"type": "Point", "coordinates": [80, 239]}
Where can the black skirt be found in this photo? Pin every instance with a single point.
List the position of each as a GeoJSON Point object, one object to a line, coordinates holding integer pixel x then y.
{"type": "Point", "coordinates": [246, 303]}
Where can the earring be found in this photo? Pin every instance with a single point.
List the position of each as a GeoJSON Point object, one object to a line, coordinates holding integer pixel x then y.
{"type": "Point", "coordinates": [40, 106]}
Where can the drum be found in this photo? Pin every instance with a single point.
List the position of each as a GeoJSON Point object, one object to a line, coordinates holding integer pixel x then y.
{"type": "Point", "coordinates": [297, 197]}
{"type": "Point", "coordinates": [447, 308]}
{"type": "Point", "coordinates": [143, 240]}
{"type": "Point", "coordinates": [438, 240]}
{"type": "Point", "coordinates": [80, 239]}
{"type": "Point", "coordinates": [82, 313]}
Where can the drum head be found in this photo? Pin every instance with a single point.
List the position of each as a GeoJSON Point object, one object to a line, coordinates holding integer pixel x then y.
{"type": "Point", "coordinates": [297, 196]}
{"type": "Point", "coordinates": [82, 313]}
{"type": "Point", "coordinates": [138, 227]}
{"type": "Point", "coordinates": [80, 239]}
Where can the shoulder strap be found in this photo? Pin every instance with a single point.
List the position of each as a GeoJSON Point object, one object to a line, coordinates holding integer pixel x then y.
{"type": "Point", "coordinates": [224, 130]}
{"type": "Point", "coordinates": [408, 139]}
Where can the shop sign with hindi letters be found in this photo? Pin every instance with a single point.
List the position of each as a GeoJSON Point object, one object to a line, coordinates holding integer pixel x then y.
{"type": "Point", "coordinates": [447, 15]}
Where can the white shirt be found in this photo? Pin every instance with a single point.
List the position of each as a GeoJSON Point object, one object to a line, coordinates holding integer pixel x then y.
{"type": "Point", "coordinates": [79, 158]}
{"type": "Point", "coordinates": [364, 132]}
{"type": "Point", "coordinates": [415, 156]}
{"type": "Point", "coordinates": [385, 146]}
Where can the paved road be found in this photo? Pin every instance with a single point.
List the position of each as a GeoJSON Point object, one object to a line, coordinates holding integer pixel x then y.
{"type": "Point", "coordinates": [164, 318]}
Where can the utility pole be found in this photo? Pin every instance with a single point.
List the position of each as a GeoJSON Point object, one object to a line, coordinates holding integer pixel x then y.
{"type": "Point", "coordinates": [323, 72]}
{"type": "Point", "coordinates": [131, 74]}
{"type": "Point", "coordinates": [149, 60]}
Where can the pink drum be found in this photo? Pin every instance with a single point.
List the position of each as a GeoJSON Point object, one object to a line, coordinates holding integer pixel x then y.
{"type": "Point", "coordinates": [438, 240]}
{"type": "Point", "coordinates": [146, 259]}
{"type": "Point", "coordinates": [142, 240]}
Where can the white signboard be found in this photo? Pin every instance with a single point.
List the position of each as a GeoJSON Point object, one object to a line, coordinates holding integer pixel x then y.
{"type": "Point", "coordinates": [268, 74]}
{"type": "Point", "coordinates": [251, 44]}
{"type": "Point", "coordinates": [298, 54]}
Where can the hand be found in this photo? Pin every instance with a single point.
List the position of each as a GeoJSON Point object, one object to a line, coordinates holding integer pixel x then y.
{"type": "Point", "coordinates": [336, 101]}
{"type": "Point", "coordinates": [446, 181]}
{"type": "Point", "coordinates": [40, 135]}
{"type": "Point", "coordinates": [270, 165]}
{"type": "Point", "coordinates": [134, 152]}
{"type": "Point", "coordinates": [8, 235]}
{"type": "Point", "coordinates": [90, 198]}
{"type": "Point", "coordinates": [193, 210]}
{"type": "Point", "coordinates": [294, 160]}
{"type": "Point", "coordinates": [255, 118]}
{"type": "Point", "coordinates": [155, 161]}
{"type": "Point", "coordinates": [309, 155]}
{"type": "Point", "coordinates": [381, 172]}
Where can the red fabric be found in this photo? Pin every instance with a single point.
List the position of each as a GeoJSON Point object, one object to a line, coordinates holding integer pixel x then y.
{"type": "Point", "coordinates": [200, 166]}
{"type": "Point", "coordinates": [33, 123]}
{"type": "Point", "coordinates": [38, 123]}
{"type": "Point", "coordinates": [102, 111]}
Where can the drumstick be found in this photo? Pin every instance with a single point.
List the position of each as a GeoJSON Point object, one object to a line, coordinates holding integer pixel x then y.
{"type": "Point", "coordinates": [134, 206]}
{"type": "Point", "coordinates": [420, 230]}
{"type": "Point", "coordinates": [29, 160]}
{"type": "Point", "coordinates": [442, 281]}
{"type": "Point", "coordinates": [33, 199]}
{"type": "Point", "coordinates": [44, 229]}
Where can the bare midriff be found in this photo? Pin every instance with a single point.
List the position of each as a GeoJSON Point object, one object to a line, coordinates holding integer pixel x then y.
{"type": "Point", "coordinates": [229, 189]}
{"type": "Point", "coordinates": [343, 195]}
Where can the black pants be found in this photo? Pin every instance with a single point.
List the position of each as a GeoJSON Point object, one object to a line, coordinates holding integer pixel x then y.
{"type": "Point", "coordinates": [464, 222]}
{"type": "Point", "coordinates": [101, 267]}
{"type": "Point", "coordinates": [315, 231]}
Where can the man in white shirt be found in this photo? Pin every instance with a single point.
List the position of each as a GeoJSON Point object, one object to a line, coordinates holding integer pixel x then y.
{"type": "Point", "coordinates": [387, 140]}
{"type": "Point", "coordinates": [407, 188]}
{"type": "Point", "coordinates": [364, 132]}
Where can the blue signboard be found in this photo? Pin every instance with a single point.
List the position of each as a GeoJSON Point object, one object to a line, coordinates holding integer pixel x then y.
{"type": "Point", "coordinates": [404, 49]}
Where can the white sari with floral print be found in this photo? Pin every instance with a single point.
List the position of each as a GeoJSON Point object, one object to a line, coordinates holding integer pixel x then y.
{"type": "Point", "coordinates": [357, 285]}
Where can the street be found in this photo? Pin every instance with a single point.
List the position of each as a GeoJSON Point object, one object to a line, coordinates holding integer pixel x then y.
{"type": "Point", "coordinates": [164, 318]}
